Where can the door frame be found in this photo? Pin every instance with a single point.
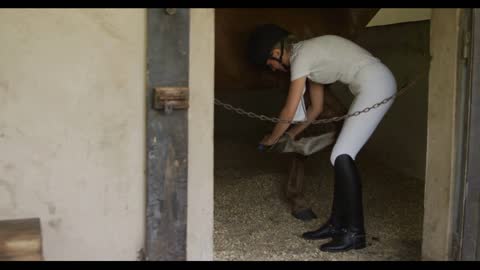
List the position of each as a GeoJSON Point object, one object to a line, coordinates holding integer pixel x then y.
{"type": "Point", "coordinates": [451, 180]}
{"type": "Point", "coordinates": [166, 135]}
{"type": "Point", "coordinates": [179, 144]}
{"type": "Point", "coordinates": [196, 235]}
{"type": "Point", "coordinates": [469, 217]}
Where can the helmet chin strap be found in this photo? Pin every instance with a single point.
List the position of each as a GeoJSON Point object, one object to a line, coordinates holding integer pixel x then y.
{"type": "Point", "coordinates": [279, 60]}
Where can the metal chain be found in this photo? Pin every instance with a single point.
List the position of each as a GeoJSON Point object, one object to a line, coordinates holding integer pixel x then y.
{"type": "Point", "coordinates": [262, 117]}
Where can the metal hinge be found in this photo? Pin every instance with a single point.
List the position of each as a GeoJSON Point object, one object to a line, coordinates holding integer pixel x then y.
{"type": "Point", "coordinates": [170, 98]}
{"type": "Point", "coordinates": [467, 37]}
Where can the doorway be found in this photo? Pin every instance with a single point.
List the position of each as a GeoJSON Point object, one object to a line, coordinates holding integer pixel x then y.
{"type": "Point", "coordinates": [253, 219]}
{"type": "Point", "coordinates": [238, 168]}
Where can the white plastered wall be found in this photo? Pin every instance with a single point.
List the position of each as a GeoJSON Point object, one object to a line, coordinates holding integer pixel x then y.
{"type": "Point", "coordinates": [72, 128]}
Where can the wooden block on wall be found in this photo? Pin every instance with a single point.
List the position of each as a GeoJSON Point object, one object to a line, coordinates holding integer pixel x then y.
{"type": "Point", "coordinates": [20, 240]}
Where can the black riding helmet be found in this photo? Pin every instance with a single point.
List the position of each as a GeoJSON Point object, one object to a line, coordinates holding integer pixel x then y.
{"type": "Point", "coordinates": [262, 40]}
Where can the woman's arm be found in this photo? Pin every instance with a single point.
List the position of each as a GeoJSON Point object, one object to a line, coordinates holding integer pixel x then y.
{"type": "Point", "coordinates": [295, 93]}
{"type": "Point", "coordinates": [315, 109]}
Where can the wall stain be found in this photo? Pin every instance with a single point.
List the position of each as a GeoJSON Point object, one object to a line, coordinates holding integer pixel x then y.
{"type": "Point", "coordinates": [9, 190]}
{"type": "Point", "coordinates": [52, 209]}
{"type": "Point", "coordinates": [53, 153]}
{"type": "Point", "coordinates": [9, 167]}
{"type": "Point", "coordinates": [102, 20]}
{"type": "Point", "coordinates": [113, 134]}
{"type": "Point", "coordinates": [55, 223]}
{"type": "Point", "coordinates": [4, 93]}
{"type": "Point", "coordinates": [20, 132]}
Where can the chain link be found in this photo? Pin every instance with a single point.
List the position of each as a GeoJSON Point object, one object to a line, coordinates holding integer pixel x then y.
{"type": "Point", "coordinates": [262, 117]}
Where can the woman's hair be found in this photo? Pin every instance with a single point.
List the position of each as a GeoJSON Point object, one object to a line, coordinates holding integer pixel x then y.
{"type": "Point", "coordinates": [287, 43]}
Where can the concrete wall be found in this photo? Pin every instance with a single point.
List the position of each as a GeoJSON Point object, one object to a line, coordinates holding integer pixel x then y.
{"type": "Point", "coordinates": [72, 123]}
{"type": "Point", "coordinates": [400, 139]}
{"type": "Point", "coordinates": [200, 136]}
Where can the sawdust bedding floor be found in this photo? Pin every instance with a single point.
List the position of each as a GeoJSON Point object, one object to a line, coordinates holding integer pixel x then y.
{"type": "Point", "coordinates": [253, 221]}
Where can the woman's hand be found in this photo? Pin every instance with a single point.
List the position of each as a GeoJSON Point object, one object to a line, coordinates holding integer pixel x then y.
{"type": "Point", "coordinates": [267, 140]}
{"type": "Point", "coordinates": [295, 94]}
{"type": "Point", "coordinates": [291, 135]}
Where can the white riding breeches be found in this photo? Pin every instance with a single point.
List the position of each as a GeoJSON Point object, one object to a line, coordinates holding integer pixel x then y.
{"type": "Point", "coordinates": [372, 84]}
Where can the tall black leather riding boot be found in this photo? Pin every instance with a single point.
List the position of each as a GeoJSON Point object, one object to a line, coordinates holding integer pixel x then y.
{"type": "Point", "coordinates": [336, 221]}
{"type": "Point", "coordinates": [350, 190]}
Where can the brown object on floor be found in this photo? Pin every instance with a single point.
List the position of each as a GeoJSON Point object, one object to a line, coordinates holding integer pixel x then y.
{"type": "Point", "coordinates": [294, 189]}
{"type": "Point", "coordinates": [21, 240]}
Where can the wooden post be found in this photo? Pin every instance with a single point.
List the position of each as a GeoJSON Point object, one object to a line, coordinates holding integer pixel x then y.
{"type": "Point", "coordinates": [167, 136]}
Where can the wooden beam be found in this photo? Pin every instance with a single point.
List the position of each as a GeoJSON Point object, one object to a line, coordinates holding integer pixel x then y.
{"type": "Point", "coordinates": [21, 240]}
{"type": "Point", "coordinates": [443, 95]}
{"type": "Point", "coordinates": [167, 136]}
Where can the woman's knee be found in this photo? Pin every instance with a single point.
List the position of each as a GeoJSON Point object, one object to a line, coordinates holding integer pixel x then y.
{"type": "Point", "coordinates": [336, 154]}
